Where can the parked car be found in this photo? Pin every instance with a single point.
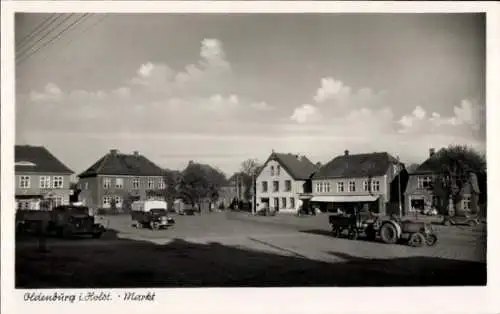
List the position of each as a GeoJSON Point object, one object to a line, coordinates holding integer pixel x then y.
{"type": "Point", "coordinates": [65, 221]}
{"type": "Point", "coordinates": [462, 219]}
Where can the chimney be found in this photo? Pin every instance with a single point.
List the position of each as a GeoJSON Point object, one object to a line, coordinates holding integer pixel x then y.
{"type": "Point", "coordinates": [113, 151]}
{"type": "Point", "coordinates": [432, 151]}
{"type": "Point", "coordinates": [136, 153]}
{"type": "Point", "coordinates": [346, 153]}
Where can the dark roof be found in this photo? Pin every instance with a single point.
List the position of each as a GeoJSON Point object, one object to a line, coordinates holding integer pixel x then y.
{"type": "Point", "coordinates": [115, 163]}
{"type": "Point", "coordinates": [354, 166]}
{"type": "Point", "coordinates": [298, 167]}
{"type": "Point", "coordinates": [38, 159]}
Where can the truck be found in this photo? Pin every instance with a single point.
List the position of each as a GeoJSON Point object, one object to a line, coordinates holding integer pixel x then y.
{"type": "Point", "coordinates": [64, 221]}
{"type": "Point", "coordinates": [151, 214]}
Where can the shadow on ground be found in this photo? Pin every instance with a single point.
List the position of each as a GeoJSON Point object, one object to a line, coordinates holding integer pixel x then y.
{"type": "Point", "coordinates": [118, 263]}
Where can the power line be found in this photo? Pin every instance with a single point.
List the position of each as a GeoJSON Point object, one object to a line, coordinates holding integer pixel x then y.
{"type": "Point", "coordinates": [57, 36]}
{"type": "Point", "coordinates": [43, 36]}
{"type": "Point", "coordinates": [38, 29]}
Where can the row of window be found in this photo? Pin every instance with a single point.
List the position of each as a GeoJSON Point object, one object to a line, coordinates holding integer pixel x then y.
{"type": "Point", "coordinates": [108, 199]}
{"type": "Point", "coordinates": [46, 182]}
{"type": "Point", "coordinates": [136, 183]}
{"type": "Point", "coordinates": [276, 186]}
{"type": "Point", "coordinates": [278, 170]}
{"type": "Point", "coordinates": [284, 203]}
{"type": "Point", "coordinates": [35, 204]}
{"type": "Point", "coordinates": [325, 187]}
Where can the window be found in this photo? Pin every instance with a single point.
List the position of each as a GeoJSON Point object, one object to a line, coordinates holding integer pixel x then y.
{"type": "Point", "coordinates": [340, 186]}
{"type": "Point", "coordinates": [24, 182]}
{"type": "Point", "coordinates": [135, 184]}
{"type": "Point", "coordinates": [466, 203]}
{"type": "Point", "coordinates": [86, 185]}
{"type": "Point", "coordinates": [278, 170]}
{"type": "Point", "coordinates": [272, 170]}
{"type": "Point", "coordinates": [276, 186]}
{"type": "Point", "coordinates": [264, 186]}
{"type": "Point", "coordinates": [151, 184]}
{"type": "Point", "coordinates": [106, 201]}
{"type": "Point", "coordinates": [435, 201]}
{"type": "Point", "coordinates": [424, 182]}
{"type": "Point", "coordinates": [375, 186]}
{"type": "Point", "coordinates": [366, 186]}
{"type": "Point", "coordinates": [58, 182]}
{"type": "Point", "coordinates": [119, 183]}
{"type": "Point", "coordinates": [44, 182]}
{"type": "Point", "coordinates": [322, 187]}
{"type": "Point", "coordinates": [292, 202]}
{"type": "Point", "coordinates": [352, 186]}
{"type": "Point", "coordinates": [283, 202]}
{"type": "Point", "coordinates": [118, 201]}
{"type": "Point", "coordinates": [288, 185]}
{"type": "Point", "coordinates": [161, 184]}
{"type": "Point", "coordinates": [276, 203]}
{"type": "Point", "coordinates": [106, 183]}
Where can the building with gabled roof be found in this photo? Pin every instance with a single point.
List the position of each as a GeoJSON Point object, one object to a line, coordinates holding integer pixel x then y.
{"type": "Point", "coordinates": [372, 180]}
{"type": "Point", "coordinates": [280, 181]}
{"type": "Point", "coordinates": [117, 177]}
{"type": "Point", "coordinates": [40, 176]}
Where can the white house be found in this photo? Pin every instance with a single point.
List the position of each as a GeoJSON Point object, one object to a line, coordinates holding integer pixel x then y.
{"type": "Point", "coordinates": [281, 179]}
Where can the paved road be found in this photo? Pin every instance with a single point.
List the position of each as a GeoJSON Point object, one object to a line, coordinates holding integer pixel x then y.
{"type": "Point", "coordinates": [300, 239]}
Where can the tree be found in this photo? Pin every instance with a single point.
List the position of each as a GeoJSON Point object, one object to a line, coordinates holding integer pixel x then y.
{"type": "Point", "coordinates": [412, 168]}
{"type": "Point", "coordinates": [200, 183]}
{"type": "Point", "coordinates": [455, 167]}
{"type": "Point", "coordinates": [249, 169]}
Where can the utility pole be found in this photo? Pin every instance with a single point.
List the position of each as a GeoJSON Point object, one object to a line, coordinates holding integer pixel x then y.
{"type": "Point", "coordinates": [254, 194]}
{"type": "Point", "coordinates": [399, 188]}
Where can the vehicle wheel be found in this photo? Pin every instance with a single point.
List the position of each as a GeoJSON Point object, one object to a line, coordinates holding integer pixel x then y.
{"type": "Point", "coordinates": [417, 240]}
{"type": "Point", "coordinates": [431, 240]}
{"type": "Point", "coordinates": [65, 233]}
{"type": "Point", "coordinates": [353, 234]}
{"type": "Point", "coordinates": [388, 233]}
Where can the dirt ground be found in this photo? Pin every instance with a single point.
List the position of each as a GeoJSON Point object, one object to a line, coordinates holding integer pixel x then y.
{"type": "Point", "coordinates": [221, 249]}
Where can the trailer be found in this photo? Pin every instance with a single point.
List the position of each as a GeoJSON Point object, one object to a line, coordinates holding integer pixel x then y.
{"type": "Point", "coordinates": [389, 230]}
{"type": "Point", "coordinates": [151, 214]}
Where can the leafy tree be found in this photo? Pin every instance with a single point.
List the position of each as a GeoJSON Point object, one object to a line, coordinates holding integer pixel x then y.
{"type": "Point", "coordinates": [455, 167]}
{"type": "Point", "coordinates": [200, 183]}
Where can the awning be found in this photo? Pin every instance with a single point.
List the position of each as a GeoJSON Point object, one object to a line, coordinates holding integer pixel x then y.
{"type": "Point", "coordinates": [345, 199]}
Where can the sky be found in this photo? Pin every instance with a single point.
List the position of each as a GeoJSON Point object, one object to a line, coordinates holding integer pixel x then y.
{"type": "Point", "coordinates": [219, 89]}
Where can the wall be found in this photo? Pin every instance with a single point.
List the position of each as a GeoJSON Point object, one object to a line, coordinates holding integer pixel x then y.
{"type": "Point", "coordinates": [94, 195]}
{"type": "Point", "coordinates": [296, 187]}
{"type": "Point", "coordinates": [35, 188]}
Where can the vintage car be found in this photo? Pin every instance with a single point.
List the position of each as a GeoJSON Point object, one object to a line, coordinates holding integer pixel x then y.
{"type": "Point", "coordinates": [461, 219]}
{"type": "Point", "coordinates": [64, 220]}
{"type": "Point", "coordinates": [151, 214]}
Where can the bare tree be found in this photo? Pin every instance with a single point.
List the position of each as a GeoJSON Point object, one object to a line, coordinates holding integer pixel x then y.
{"type": "Point", "coordinates": [249, 169]}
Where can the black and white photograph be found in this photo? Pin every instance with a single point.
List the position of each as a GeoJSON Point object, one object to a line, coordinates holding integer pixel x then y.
{"type": "Point", "coordinates": [155, 150]}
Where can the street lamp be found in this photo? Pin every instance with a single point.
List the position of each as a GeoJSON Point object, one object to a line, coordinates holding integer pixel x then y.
{"type": "Point", "coordinates": [399, 187]}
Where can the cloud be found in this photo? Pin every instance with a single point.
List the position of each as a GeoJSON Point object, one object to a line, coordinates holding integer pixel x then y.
{"type": "Point", "coordinates": [51, 92]}
{"type": "Point", "coordinates": [305, 113]}
{"type": "Point", "coordinates": [331, 88]}
{"type": "Point", "coordinates": [467, 118]}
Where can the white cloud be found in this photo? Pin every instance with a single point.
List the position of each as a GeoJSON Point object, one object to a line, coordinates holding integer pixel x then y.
{"type": "Point", "coordinates": [331, 88]}
{"type": "Point", "coordinates": [305, 113]}
{"type": "Point", "coordinates": [51, 92]}
{"type": "Point", "coordinates": [466, 120]}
